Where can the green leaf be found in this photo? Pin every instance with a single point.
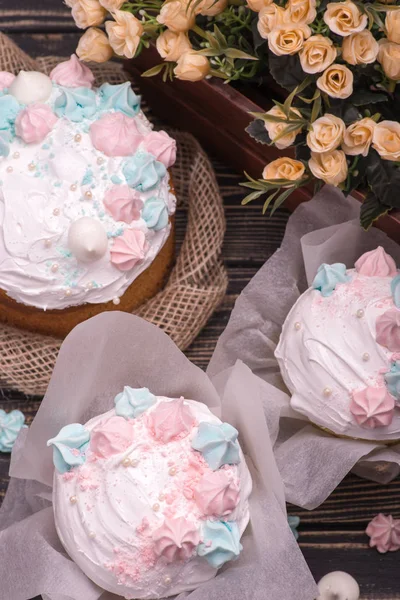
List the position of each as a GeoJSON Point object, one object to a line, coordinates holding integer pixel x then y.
{"type": "Point", "coordinates": [363, 97]}
{"type": "Point", "coordinates": [251, 197]}
{"type": "Point", "coordinates": [281, 199]}
{"type": "Point", "coordinates": [290, 128]}
{"type": "Point", "coordinates": [268, 202]}
{"type": "Point", "coordinates": [286, 70]}
{"type": "Point", "coordinates": [235, 53]}
{"type": "Point", "coordinates": [154, 70]}
{"type": "Point", "coordinates": [297, 90]}
{"type": "Point", "coordinates": [316, 109]}
{"type": "Point", "coordinates": [384, 180]}
{"type": "Point", "coordinates": [219, 36]}
{"type": "Point", "coordinates": [371, 210]}
{"type": "Point", "coordinates": [257, 131]}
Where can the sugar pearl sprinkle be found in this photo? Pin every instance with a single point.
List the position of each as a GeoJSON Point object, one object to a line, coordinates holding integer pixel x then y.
{"type": "Point", "coordinates": [297, 326]}
{"type": "Point", "coordinates": [365, 357]}
{"type": "Point", "coordinates": [360, 313]}
{"type": "Point", "coordinates": [16, 155]}
{"type": "Point", "coordinates": [92, 535]}
{"type": "Point", "coordinates": [56, 212]}
{"type": "Point", "coordinates": [134, 462]}
{"type": "Point", "coordinates": [47, 243]}
{"type": "Point", "coordinates": [54, 267]}
{"type": "Point", "coordinates": [327, 391]}
{"type": "Point", "coordinates": [68, 292]}
{"type": "Point", "coordinates": [31, 166]}
{"type": "Point", "coordinates": [167, 580]}
{"type": "Point", "coordinates": [78, 137]}
{"type": "Point", "coordinates": [172, 471]}
{"type": "Point", "coordinates": [126, 462]}
{"type": "Point", "coordinates": [116, 301]}
{"type": "Point", "coordinates": [73, 187]}
{"type": "Point", "coordinates": [88, 194]}
{"type": "Point", "coordinates": [73, 499]}
{"type": "Point", "coordinates": [100, 160]}
{"type": "Point", "coordinates": [9, 169]}
{"type": "Point", "coordinates": [156, 507]}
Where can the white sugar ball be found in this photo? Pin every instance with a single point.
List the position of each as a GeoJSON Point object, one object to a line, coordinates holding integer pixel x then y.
{"type": "Point", "coordinates": [87, 239]}
{"type": "Point", "coordinates": [338, 585]}
{"type": "Point", "coordinates": [31, 86]}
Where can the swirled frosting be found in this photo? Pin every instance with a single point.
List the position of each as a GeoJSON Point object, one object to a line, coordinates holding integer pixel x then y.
{"type": "Point", "coordinates": [129, 516]}
{"type": "Point", "coordinates": [72, 73]}
{"type": "Point", "coordinates": [6, 80]}
{"type": "Point", "coordinates": [336, 352]}
{"type": "Point", "coordinates": [68, 217]}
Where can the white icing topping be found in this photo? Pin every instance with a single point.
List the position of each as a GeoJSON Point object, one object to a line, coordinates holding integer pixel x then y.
{"type": "Point", "coordinates": [42, 194]}
{"type": "Point", "coordinates": [119, 503]}
{"type": "Point", "coordinates": [335, 349]}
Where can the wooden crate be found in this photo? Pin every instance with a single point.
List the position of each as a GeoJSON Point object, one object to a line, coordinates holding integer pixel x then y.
{"type": "Point", "coordinates": [217, 114]}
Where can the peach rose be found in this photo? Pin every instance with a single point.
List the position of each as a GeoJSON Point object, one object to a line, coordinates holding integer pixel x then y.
{"type": "Point", "coordinates": [111, 5]}
{"type": "Point", "coordinates": [360, 48]}
{"type": "Point", "coordinates": [176, 16]}
{"type": "Point", "coordinates": [284, 168]}
{"type": "Point", "coordinates": [386, 140]}
{"type": "Point", "coordinates": [358, 137]}
{"type": "Point", "coordinates": [124, 33]}
{"type": "Point", "coordinates": [283, 41]}
{"type": "Point", "coordinates": [210, 8]}
{"type": "Point", "coordinates": [192, 66]}
{"type": "Point", "coordinates": [326, 133]}
{"type": "Point", "coordinates": [336, 81]}
{"type": "Point", "coordinates": [331, 167]}
{"type": "Point", "coordinates": [389, 58]}
{"type": "Point", "coordinates": [300, 12]}
{"type": "Point", "coordinates": [87, 13]}
{"type": "Point", "coordinates": [344, 18]}
{"type": "Point", "coordinates": [269, 17]}
{"type": "Point", "coordinates": [94, 46]}
{"type": "Point", "coordinates": [392, 24]}
{"type": "Point", "coordinates": [257, 5]}
{"type": "Point", "coordinates": [275, 128]}
{"type": "Point", "coordinates": [317, 54]}
{"type": "Point", "coordinates": [171, 45]}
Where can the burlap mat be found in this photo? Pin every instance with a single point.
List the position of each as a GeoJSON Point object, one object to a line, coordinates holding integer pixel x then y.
{"type": "Point", "coordinates": [198, 281]}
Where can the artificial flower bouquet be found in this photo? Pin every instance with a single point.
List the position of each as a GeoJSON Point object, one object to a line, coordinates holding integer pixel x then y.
{"type": "Point", "coordinates": [339, 63]}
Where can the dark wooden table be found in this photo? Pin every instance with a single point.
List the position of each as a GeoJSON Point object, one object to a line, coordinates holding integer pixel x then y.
{"type": "Point", "coordinates": [331, 537]}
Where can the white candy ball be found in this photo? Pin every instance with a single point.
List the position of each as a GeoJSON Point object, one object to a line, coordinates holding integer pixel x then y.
{"type": "Point", "coordinates": [338, 585]}
{"type": "Point", "coordinates": [87, 239]}
{"type": "Point", "coordinates": [31, 86]}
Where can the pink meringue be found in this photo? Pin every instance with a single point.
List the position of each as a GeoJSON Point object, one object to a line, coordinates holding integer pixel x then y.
{"type": "Point", "coordinates": [128, 249]}
{"type": "Point", "coordinates": [111, 437]}
{"type": "Point", "coordinates": [384, 532]}
{"type": "Point", "coordinates": [216, 494]}
{"type": "Point", "coordinates": [6, 80]}
{"type": "Point", "coordinates": [176, 539]}
{"type": "Point", "coordinates": [376, 263]}
{"type": "Point", "coordinates": [372, 407]}
{"type": "Point", "coordinates": [161, 146]}
{"type": "Point", "coordinates": [170, 419]}
{"type": "Point", "coordinates": [35, 122]}
{"type": "Point", "coordinates": [123, 203]}
{"type": "Point", "coordinates": [388, 330]}
{"type": "Point", "coordinates": [72, 73]}
{"type": "Point", "coordinates": [115, 134]}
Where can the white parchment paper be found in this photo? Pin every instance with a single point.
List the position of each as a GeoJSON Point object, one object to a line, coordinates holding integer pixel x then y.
{"type": "Point", "coordinates": [311, 463]}
{"type": "Point", "coordinates": [96, 360]}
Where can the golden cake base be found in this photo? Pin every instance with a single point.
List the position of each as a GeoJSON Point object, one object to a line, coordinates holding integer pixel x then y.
{"type": "Point", "coordinates": [58, 323]}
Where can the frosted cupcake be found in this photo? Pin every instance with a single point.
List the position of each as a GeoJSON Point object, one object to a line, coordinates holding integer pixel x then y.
{"type": "Point", "coordinates": [85, 199]}
{"type": "Point", "coordinates": [339, 349]}
{"type": "Point", "coordinates": [151, 498]}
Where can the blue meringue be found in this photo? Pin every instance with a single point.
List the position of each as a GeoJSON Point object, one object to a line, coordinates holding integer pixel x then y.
{"type": "Point", "coordinates": [119, 97]}
{"type": "Point", "coordinates": [395, 288]}
{"type": "Point", "coordinates": [392, 379]}
{"type": "Point", "coordinates": [218, 444]}
{"type": "Point", "coordinates": [133, 402]}
{"type": "Point", "coordinates": [10, 425]}
{"type": "Point", "coordinates": [143, 172]}
{"type": "Point", "coordinates": [69, 447]}
{"type": "Point", "coordinates": [76, 104]}
{"type": "Point", "coordinates": [155, 213]}
{"type": "Point", "coordinates": [9, 109]}
{"type": "Point", "coordinates": [221, 542]}
{"type": "Point", "coordinates": [328, 276]}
